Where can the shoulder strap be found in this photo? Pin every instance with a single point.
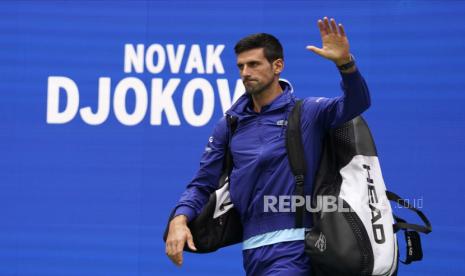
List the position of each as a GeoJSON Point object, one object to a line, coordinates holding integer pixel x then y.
{"type": "Point", "coordinates": [295, 154]}
{"type": "Point", "coordinates": [232, 125]}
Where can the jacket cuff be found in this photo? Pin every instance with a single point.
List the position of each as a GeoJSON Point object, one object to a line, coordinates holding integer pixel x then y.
{"type": "Point", "coordinates": [349, 78]}
{"type": "Point", "coordinates": [185, 210]}
{"type": "Point", "coordinates": [351, 73]}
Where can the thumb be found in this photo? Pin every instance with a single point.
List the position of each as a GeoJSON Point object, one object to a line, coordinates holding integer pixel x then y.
{"type": "Point", "coordinates": [316, 50]}
{"type": "Point", "coordinates": [190, 242]}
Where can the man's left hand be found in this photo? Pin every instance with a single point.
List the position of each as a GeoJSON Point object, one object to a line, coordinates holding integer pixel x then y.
{"type": "Point", "coordinates": [335, 42]}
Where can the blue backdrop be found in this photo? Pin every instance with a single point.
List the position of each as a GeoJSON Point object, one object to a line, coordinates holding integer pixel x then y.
{"type": "Point", "coordinates": [87, 183]}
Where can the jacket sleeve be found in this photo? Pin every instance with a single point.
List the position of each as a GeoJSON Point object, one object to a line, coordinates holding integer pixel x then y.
{"type": "Point", "coordinates": [206, 179]}
{"type": "Point", "coordinates": [332, 112]}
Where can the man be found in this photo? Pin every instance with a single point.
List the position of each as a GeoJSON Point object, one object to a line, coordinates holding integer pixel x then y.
{"type": "Point", "coordinates": [272, 245]}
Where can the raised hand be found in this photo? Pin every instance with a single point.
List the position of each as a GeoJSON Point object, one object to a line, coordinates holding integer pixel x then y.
{"type": "Point", "coordinates": [335, 42]}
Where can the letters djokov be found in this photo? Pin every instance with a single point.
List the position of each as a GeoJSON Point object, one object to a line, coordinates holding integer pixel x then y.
{"type": "Point", "coordinates": [159, 96]}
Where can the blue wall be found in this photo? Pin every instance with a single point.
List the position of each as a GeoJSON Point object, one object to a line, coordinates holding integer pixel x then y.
{"type": "Point", "coordinates": [83, 199]}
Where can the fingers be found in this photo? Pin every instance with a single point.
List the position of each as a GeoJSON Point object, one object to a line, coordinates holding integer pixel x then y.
{"type": "Point", "coordinates": [333, 26]}
{"type": "Point", "coordinates": [326, 23]}
{"type": "Point", "coordinates": [190, 242]}
{"type": "Point", "coordinates": [316, 50]}
{"type": "Point", "coordinates": [174, 251]}
{"type": "Point", "coordinates": [174, 247]}
{"type": "Point", "coordinates": [322, 27]}
{"type": "Point", "coordinates": [342, 32]}
{"type": "Point", "coordinates": [169, 248]}
{"type": "Point", "coordinates": [177, 259]}
{"type": "Point", "coordinates": [179, 247]}
{"type": "Point", "coordinates": [329, 26]}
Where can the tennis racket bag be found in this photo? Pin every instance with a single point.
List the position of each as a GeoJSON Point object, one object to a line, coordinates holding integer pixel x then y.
{"type": "Point", "coordinates": [359, 238]}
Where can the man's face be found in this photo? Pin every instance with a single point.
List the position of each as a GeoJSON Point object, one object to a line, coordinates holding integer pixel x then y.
{"type": "Point", "coordinates": [256, 72]}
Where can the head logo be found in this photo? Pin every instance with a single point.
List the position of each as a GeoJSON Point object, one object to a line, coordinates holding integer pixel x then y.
{"type": "Point", "coordinates": [376, 215]}
{"type": "Point", "coordinates": [321, 242]}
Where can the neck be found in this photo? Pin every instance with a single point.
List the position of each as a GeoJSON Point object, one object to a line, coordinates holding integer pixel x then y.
{"type": "Point", "coordinates": [266, 96]}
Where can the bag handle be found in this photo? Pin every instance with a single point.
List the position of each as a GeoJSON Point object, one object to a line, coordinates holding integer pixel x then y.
{"type": "Point", "coordinates": [401, 224]}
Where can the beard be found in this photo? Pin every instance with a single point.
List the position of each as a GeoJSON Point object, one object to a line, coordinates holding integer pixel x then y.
{"type": "Point", "coordinates": [256, 87]}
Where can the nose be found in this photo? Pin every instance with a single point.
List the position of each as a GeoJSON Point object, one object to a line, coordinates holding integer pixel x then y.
{"type": "Point", "coordinates": [245, 72]}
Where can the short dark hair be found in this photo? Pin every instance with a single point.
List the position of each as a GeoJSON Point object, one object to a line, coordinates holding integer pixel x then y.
{"type": "Point", "coordinates": [270, 44]}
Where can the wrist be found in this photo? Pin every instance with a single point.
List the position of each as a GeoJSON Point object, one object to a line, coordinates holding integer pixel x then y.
{"type": "Point", "coordinates": [343, 60]}
{"type": "Point", "coordinates": [179, 219]}
{"type": "Point", "coordinates": [348, 66]}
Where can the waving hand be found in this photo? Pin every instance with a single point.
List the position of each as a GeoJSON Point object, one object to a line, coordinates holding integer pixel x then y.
{"type": "Point", "coordinates": [335, 43]}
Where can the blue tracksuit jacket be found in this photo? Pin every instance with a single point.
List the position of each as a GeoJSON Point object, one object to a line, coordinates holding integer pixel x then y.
{"type": "Point", "coordinates": [259, 153]}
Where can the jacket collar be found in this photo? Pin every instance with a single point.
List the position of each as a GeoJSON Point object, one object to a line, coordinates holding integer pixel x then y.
{"type": "Point", "coordinates": [243, 106]}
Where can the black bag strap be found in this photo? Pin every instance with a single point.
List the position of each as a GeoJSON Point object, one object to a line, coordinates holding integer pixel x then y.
{"type": "Point", "coordinates": [414, 252]}
{"type": "Point", "coordinates": [401, 224]}
{"type": "Point", "coordinates": [295, 154]}
{"type": "Point", "coordinates": [412, 238]}
{"type": "Point", "coordinates": [228, 162]}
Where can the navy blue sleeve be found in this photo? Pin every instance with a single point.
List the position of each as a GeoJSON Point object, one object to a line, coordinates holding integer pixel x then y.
{"type": "Point", "coordinates": [206, 179]}
{"type": "Point", "coordinates": [332, 112]}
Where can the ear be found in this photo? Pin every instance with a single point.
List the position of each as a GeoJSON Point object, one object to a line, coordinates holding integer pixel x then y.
{"type": "Point", "coordinates": [278, 66]}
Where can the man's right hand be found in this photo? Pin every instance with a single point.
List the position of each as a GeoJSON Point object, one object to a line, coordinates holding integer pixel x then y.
{"type": "Point", "coordinates": [178, 235]}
